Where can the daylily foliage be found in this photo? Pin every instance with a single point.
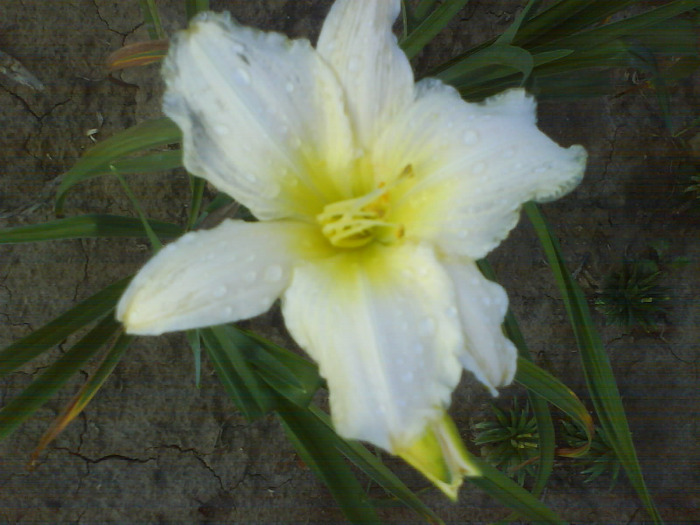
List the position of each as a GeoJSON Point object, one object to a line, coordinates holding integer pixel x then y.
{"type": "Point", "coordinates": [375, 196]}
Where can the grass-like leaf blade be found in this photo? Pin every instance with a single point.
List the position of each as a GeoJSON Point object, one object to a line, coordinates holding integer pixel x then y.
{"type": "Point", "coordinates": [317, 445]}
{"type": "Point", "coordinates": [431, 26]}
{"type": "Point", "coordinates": [596, 365]}
{"type": "Point", "coordinates": [52, 333]}
{"type": "Point", "coordinates": [96, 161]}
{"type": "Point", "coordinates": [49, 382]}
{"type": "Point", "coordinates": [502, 488]}
{"type": "Point", "coordinates": [86, 226]}
{"type": "Point", "coordinates": [85, 394]}
{"type": "Point", "coordinates": [378, 472]}
{"type": "Point", "coordinates": [247, 391]}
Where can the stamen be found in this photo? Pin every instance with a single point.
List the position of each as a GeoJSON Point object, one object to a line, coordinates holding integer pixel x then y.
{"type": "Point", "coordinates": [356, 222]}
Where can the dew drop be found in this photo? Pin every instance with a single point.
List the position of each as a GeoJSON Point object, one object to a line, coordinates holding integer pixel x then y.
{"type": "Point", "coordinates": [353, 65]}
{"type": "Point", "coordinates": [273, 273]}
{"type": "Point", "coordinates": [509, 153]}
{"type": "Point", "coordinates": [296, 142]}
{"type": "Point", "coordinates": [541, 169]}
{"type": "Point", "coordinates": [407, 377]}
{"type": "Point", "coordinates": [470, 137]}
{"type": "Point", "coordinates": [427, 327]}
{"type": "Point", "coordinates": [486, 300]}
{"type": "Point", "coordinates": [243, 76]}
{"type": "Point", "coordinates": [220, 129]}
{"type": "Point", "coordinates": [479, 167]}
{"type": "Point", "coordinates": [220, 291]}
{"type": "Point", "coordinates": [418, 348]}
{"type": "Point", "coordinates": [289, 87]}
{"type": "Point", "coordinates": [452, 312]}
{"type": "Point", "coordinates": [228, 311]}
{"type": "Point", "coordinates": [210, 256]}
{"type": "Point", "coordinates": [250, 176]}
{"type": "Point", "coordinates": [250, 276]}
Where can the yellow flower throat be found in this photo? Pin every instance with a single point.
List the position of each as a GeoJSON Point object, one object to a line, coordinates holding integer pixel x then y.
{"type": "Point", "coordinates": [353, 223]}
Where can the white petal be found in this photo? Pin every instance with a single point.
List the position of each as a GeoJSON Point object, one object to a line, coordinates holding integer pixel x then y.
{"type": "Point", "coordinates": [379, 324]}
{"type": "Point", "coordinates": [234, 271]}
{"type": "Point", "coordinates": [263, 117]}
{"type": "Point", "coordinates": [357, 41]}
{"type": "Point", "coordinates": [488, 354]}
{"type": "Point", "coordinates": [474, 166]}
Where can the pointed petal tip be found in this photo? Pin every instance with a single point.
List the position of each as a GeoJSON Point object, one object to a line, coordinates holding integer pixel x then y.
{"type": "Point", "coordinates": [441, 456]}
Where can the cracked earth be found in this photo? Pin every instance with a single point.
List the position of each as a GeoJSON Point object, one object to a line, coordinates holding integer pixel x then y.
{"type": "Point", "coordinates": [153, 448]}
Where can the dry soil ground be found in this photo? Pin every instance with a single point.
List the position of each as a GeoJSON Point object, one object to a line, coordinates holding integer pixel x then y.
{"type": "Point", "coordinates": [152, 448]}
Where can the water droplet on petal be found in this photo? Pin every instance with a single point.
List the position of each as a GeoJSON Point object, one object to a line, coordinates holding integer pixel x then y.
{"type": "Point", "coordinates": [250, 176]}
{"type": "Point", "coordinates": [296, 142]}
{"type": "Point", "coordinates": [470, 138]}
{"type": "Point", "coordinates": [353, 65]}
{"type": "Point", "coordinates": [427, 327]}
{"type": "Point", "coordinates": [220, 291]}
{"type": "Point", "coordinates": [509, 153]}
{"type": "Point", "coordinates": [479, 167]}
{"type": "Point", "coordinates": [243, 76]}
{"type": "Point", "coordinates": [452, 312]}
{"type": "Point", "coordinates": [250, 276]}
{"type": "Point", "coordinates": [273, 273]}
{"type": "Point", "coordinates": [220, 129]}
{"type": "Point", "coordinates": [407, 377]}
{"type": "Point", "coordinates": [289, 87]}
{"type": "Point", "coordinates": [228, 311]}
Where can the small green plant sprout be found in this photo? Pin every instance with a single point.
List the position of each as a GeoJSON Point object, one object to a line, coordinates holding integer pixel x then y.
{"type": "Point", "coordinates": [600, 458]}
{"type": "Point", "coordinates": [510, 441]}
{"type": "Point", "coordinates": [631, 295]}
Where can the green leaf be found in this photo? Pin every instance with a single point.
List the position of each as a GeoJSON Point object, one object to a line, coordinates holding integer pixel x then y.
{"type": "Point", "coordinates": [197, 185]}
{"type": "Point", "coordinates": [159, 161]}
{"type": "Point", "coordinates": [97, 160]}
{"type": "Point", "coordinates": [431, 26]}
{"type": "Point", "coordinates": [51, 334]}
{"type": "Point", "coordinates": [289, 374]}
{"type": "Point", "coordinates": [502, 488]}
{"type": "Point", "coordinates": [377, 471]}
{"type": "Point", "coordinates": [318, 446]}
{"type": "Point", "coordinates": [85, 394]}
{"type": "Point", "coordinates": [627, 26]}
{"type": "Point", "coordinates": [86, 226]}
{"type": "Point", "coordinates": [151, 18]}
{"type": "Point", "coordinates": [490, 63]}
{"type": "Point", "coordinates": [49, 382]}
{"type": "Point", "coordinates": [192, 7]}
{"type": "Point", "coordinates": [250, 395]}
{"type": "Point", "coordinates": [596, 365]}
{"type": "Point", "coordinates": [156, 245]}
{"type": "Point", "coordinates": [555, 392]}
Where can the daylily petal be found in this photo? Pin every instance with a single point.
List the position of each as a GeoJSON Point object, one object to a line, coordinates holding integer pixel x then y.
{"type": "Point", "coordinates": [209, 277]}
{"type": "Point", "coordinates": [357, 41]}
{"type": "Point", "coordinates": [384, 330]}
{"type": "Point", "coordinates": [474, 166]}
{"type": "Point", "coordinates": [263, 117]}
{"type": "Point", "coordinates": [440, 455]}
{"type": "Point", "coordinates": [488, 354]}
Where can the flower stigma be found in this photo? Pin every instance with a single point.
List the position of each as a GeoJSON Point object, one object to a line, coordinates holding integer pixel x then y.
{"type": "Point", "coordinates": [354, 223]}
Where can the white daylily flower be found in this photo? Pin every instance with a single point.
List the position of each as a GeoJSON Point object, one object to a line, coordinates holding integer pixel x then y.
{"type": "Point", "coordinates": [375, 197]}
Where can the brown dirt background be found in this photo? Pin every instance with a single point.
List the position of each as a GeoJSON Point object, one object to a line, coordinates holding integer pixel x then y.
{"type": "Point", "coordinates": [152, 448]}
